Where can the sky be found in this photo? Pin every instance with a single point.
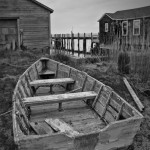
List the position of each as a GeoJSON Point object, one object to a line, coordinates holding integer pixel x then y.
{"type": "Point", "coordinates": [81, 16]}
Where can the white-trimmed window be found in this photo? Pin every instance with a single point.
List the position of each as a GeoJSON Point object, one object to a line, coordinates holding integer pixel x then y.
{"type": "Point", "coordinates": [106, 27]}
{"type": "Point", "coordinates": [136, 27]}
{"type": "Point", "coordinates": [124, 28]}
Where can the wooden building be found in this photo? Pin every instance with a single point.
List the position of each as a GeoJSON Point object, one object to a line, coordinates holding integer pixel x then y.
{"type": "Point", "coordinates": [129, 28]}
{"type": "Point", "coordinates": [25, 22]}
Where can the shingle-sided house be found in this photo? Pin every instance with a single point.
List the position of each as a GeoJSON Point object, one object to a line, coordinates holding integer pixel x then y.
{"type": "Point", "coordinates": [25, 22]}
{"type": "Point", "coordinates": [128, 27]}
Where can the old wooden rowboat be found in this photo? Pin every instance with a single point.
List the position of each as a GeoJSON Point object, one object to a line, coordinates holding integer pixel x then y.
{"type": "Point", "coordinates": [56, 107]}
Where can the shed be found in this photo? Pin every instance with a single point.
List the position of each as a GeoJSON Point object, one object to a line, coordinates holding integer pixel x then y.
{"type": "Point", "coordinates": [25, 22]}
{"type": "Point", "coordinates": [127, 27]}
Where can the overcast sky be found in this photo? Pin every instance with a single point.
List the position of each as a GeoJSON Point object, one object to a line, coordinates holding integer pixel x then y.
{"type": "Point", "coordinates": [82, 15]}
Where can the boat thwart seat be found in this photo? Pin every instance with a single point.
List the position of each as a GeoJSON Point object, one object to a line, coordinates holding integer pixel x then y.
{"type": "Point", "coordinates": [51, 82]}
{"type": "Point", "coordinates": [51, 99]}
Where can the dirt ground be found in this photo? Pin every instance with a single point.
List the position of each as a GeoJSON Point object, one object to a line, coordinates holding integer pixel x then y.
{"type": "Point", "coordinates": [13, 64]}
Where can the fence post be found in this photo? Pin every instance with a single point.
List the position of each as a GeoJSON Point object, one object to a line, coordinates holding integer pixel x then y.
{"type": "Point", "coordinates": [72, 43]}
{"type": "Point", "coordinates": [91, 43]}
{"type": "Point", "coordinates": [55, 43]}
{"type": "Point", "coordinates": [64, 44]}
{"type": "Point", "coordinates": [84, 45]}
{"type": "Point", "coordinates": [143, 42]}
{"type": "Point", "coordinates": [78, 45]}
{"type": "Point", "coordinates": [67, 45]}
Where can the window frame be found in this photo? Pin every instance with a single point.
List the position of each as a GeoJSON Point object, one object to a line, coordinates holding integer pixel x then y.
{"type": "Point", "coordinates": [138, 28]}
{"type": "Point", "coordinates": [106, 27]}
{"type": "Point", "coordinates": [127, 28]}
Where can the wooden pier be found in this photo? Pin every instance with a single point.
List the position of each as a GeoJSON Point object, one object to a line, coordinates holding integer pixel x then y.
{"type": "Point", "coordinates": [66, 42]}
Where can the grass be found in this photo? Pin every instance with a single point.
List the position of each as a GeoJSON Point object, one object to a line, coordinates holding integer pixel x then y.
{"type": "Point", "coordinates": [9, 75]}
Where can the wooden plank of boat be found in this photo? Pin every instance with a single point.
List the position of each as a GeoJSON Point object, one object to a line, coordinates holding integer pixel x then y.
{"type": "Point", "coordinates": [62, 127]}
{"type": "Point", "coordinates": [51, 99]}
{"type": "Point", "coordinates": [46, 72]}
{"type": "Point", "coordinates": [75, 90]}
{"type": "Point", "coordinates": [41, 128]}
{"type": "Point", "coordinates": [51, 81]}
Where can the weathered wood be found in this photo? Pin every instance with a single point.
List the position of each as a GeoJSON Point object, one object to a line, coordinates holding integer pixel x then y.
{"type": "Point", "coordinates": [109, 117]}
{"type": "Point", "coordinates": [99, 108]}
{"type": "Point", "coordinates": [96, 99]}
{"type": "Point", "coordinates": [57, 65]}
{"type": "Point", "coordinates": [70, 110]}
{"type": "Point", "coordinates": [29, 76]}
{"type": "Point", "coordinates": [40, 100]}
{"type": "Point", "coordinates": [28, 84]}
{"type": "Point", "coordinates": [51, 81]}
{"type": "Point", "coordinates": [41, 128]}
{"type": "Point", "coordinates": [94, 83]}
{"type": "Point", "coordinates": [75, 90]}
{"type": "Point", "coordinates": [69, 73]}
{"type": "Point", "coordinates": [108, 101]}
{"type": "Point", "coordinates": [134, 96]}
{"type": "Point", "coordinates": [47, 72]}
{"type": "Point", "coordinates": [22, 114]}
{"type": "Point", "coordinates": [25, 90]}
{"type": "Point", "coordinates": [21, 92]}
{"type": "Point", "coordinates": [21, 125]}
{"type": "Point", "coordinates": [117, 106]}
{"type": "Point", "coordinates": [18, 32]}
{"type": "Point", "coordinates": [62, 127]}
{"type": "Point", "coordinates": [36, 71]}
{"type": "Point", "coordinates": [120, 111]}
{"type": "Point", "coordinates": [21, 103]}
{"type": "Point", "coordinates": [84, 82]}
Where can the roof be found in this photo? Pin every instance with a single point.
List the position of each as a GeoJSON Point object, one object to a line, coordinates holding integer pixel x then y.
{"type": "Point", "coordinates": [129, 14]}
{"type": "Point", "coordinates": [42, 5]}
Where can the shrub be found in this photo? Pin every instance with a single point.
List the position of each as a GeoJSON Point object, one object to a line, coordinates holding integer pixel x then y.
{"type": "Point", "coordinates": [124, 63]}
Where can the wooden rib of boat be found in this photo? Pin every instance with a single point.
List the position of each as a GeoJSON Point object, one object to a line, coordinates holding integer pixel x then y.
{"type": "Point", "coordinates": [56, 107]}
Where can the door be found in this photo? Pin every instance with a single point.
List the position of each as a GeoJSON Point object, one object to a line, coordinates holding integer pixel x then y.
{"type": "Point", "coordinates": [8, 33]}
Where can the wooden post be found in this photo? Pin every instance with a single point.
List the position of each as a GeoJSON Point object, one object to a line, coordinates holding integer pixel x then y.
{"type": "Point", "coordinates": [143, 33]}
{"type": "Point", "coordinates": [78, 45]}
{"type": "Point", "coordinates": [55, 43]}
{"type": "Point", "coordinates": [91, 42]}
{"type": "Point", "coordinates": [49, 29]}
{"type": "Point", "coordinates": [67, 44]}
{"type": "Point", "coordinates": [18, 32]}
{"type": "Point", "coordinates": [84, 45]}
{"type": "Point", "coordinates": [91, 37]}
{"type": "Point", "coordinates": [72, 43]}
{"type": "Point", "coordinates": [62, 43]}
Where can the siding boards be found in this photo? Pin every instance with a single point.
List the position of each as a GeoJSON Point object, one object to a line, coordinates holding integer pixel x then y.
{"type": "Point", "coordinates": [34, 21]}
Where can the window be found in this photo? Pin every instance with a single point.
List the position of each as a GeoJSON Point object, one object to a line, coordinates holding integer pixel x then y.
{"type": "Point", "coordinates": [136, 27]}
{"type": "Point", "coordinates": [125, 28]}
{"type": "Point", "coordinates": [106, 27]}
